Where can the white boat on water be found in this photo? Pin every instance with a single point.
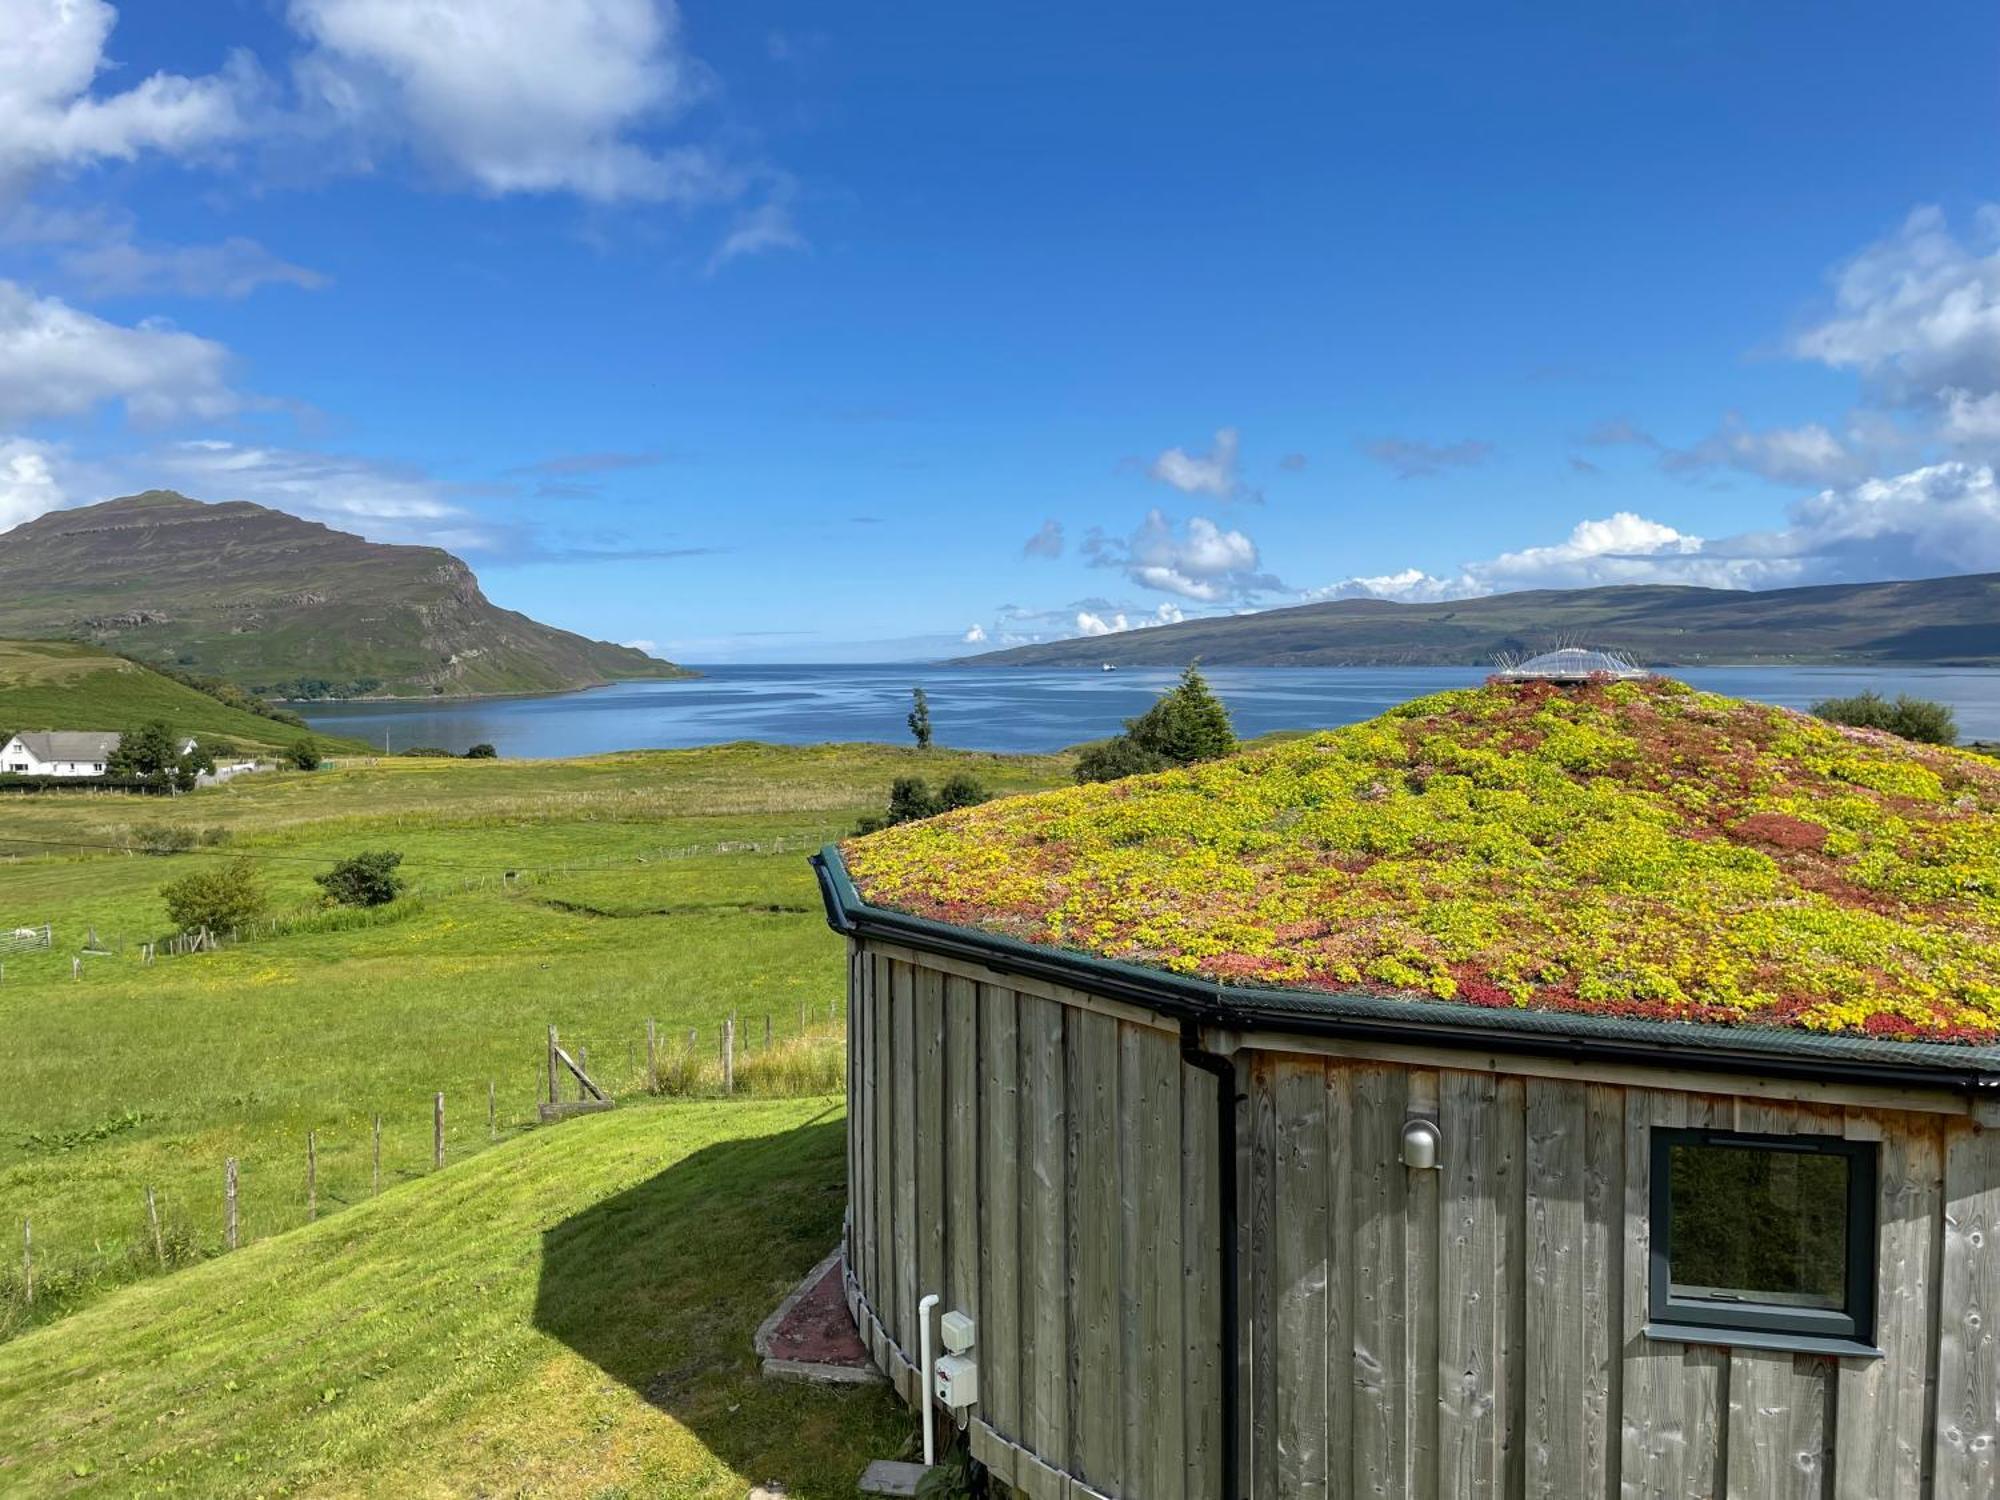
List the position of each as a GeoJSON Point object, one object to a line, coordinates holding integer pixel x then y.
{"type": "Point", "coordinates": [1109, 668]}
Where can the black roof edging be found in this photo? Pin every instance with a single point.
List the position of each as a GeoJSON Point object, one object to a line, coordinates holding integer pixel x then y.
{"type": "Point", "coordinates": [1760, 1051]}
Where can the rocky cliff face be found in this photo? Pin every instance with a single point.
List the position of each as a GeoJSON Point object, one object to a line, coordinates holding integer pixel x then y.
{"type": "Point", "coordinates": [284, 606]}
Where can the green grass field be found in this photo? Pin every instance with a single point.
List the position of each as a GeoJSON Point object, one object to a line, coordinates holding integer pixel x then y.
{"type": "Point", "coordinates": [134, 1076]}
{"type": "Point", "coordinates": [568, 1315]}
{"type": "Point", "coordinates": [63, 685]}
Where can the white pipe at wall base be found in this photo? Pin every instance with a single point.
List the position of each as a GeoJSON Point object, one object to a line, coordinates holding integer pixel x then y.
{"type": "Point", "coordinates": [924, 1351]}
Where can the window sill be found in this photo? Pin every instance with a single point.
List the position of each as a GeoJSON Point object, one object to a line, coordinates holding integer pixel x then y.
{"type": "Point", "coordinates": [1750, 1338]}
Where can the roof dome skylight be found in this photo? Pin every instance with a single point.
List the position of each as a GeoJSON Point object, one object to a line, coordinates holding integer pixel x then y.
{"type": "Point", "coordinates": [1574, 664]}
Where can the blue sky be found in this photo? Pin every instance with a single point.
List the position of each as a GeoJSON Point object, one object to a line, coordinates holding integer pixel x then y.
{"type": "Point", "coordinates": [808, 332]}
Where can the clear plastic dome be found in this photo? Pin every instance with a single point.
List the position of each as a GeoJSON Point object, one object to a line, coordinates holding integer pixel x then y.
{"type": "Point", "coordinates": [1574, 664]}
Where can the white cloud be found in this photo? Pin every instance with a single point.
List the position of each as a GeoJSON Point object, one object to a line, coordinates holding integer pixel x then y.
{"type": "Point", "coordinates": [51, 52]}
{"type": "Point", "coordinates": [1211, 473]}
{"type": "Point", "coordinates": [234, 267]}
{"type": "Point", "coordinates": [1808, 454]}
{"type": "Point", "coordinates": [1969, 420]}
{"type": "Point", "coordinates": [1936, 520]}
{"type": "Point", "coordinates": [1917, 313]}
{"type": "Point", "coordinates": [1411, 458]}
{"type": "Point", "coordinates": [974, 635]}
{"type": "Point", "coordinates": [642, 644]}
{"type": "Point", "coordinates": [1094, 622]}
{"type": "Point", "coordinates": [513, 95]}
{"type": "Point", "coordinates": [759, 231]}
{"type": "Point", "coordinates": [1200, 561]}
{"type": "Point", "coordinates": [382, 501]}
{"type": "Point", "coordinates": [1046, 542]}
{"type": "Point", "coordinates": [28, 483]}
{"type": "Point", "coordinates": [56, 361]}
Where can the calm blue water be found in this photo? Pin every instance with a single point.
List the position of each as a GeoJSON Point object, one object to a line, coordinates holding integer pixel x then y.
{"type": "Point", "coordinates": [1015, 709]}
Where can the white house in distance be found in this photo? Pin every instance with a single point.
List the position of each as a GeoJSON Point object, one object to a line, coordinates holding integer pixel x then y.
{"type": "Point", "coordinates": [83, 752]}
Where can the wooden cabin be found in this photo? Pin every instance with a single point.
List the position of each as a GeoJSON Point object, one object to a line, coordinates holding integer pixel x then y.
{"type": "Point", "coordinates": [1540, 1091]}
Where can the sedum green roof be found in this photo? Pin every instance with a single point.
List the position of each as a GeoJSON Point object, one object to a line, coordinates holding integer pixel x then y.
{"type": "Point", "coordinates": [1634, 849]}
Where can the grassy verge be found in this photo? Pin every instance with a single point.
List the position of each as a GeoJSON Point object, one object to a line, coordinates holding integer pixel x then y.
{"type": "Point", "coordinates": [569, 1315]}
{"type": "Point", "coordinates": [135, 1077]}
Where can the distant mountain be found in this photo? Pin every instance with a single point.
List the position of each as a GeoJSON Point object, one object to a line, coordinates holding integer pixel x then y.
{"type": "Point", "coordinates": [1933, 621]}
{"type": "Point", "coordinates": [284, 607]}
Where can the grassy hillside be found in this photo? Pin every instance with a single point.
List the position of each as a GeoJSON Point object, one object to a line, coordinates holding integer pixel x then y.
{"type": "Point", "coordinates": [283, 606]}
{"type": "Point", "coordinates": [63, 685]}
{"type": "Point", "coordinates": [569, 1315]}
{"type": "Point", "coordinates": [137, 1076]}
{"type": "Point", "coordinates": [1941, 621]}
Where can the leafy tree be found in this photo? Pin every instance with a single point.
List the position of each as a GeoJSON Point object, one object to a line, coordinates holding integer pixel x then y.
{"type": "Point", "coordinates": [434, 752]}
{"type": "Point", "coordinates": [1917, 719]}
{"type": "Point", "coordinates": [1186, 725]}
{"type": "Point", "coordinates": [482, 751]}
{"type": "Point", "coordinates": [219, 749]}
{"type": "Point", "coordinates": [304, 754]}
{"type": "Point", "coordinates": [920, 718]}
{"type": "Point", "coordinates": [217, 898]}
{"type": "Point", "coordinates": [364, 879]}
{"type": "Point", "coordinates": [152, 754]}
{"type": "Point", "coordinates": [911, 798]}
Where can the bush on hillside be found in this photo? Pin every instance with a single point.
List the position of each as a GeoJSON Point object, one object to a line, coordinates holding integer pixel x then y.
{"type": "Point", "coordinates": [160, 838]}
{"type": "Point", "coordinates": [1918, 719]}
{"type": "Point", "coordinates": [911, 798]}
{"type": "Point", "coordinates": [364, 879]}
{"type": "Point", "coordinates": [222, 691]}
{"type": "Point", "coordinates": [304, 754]}
{"type": "Point", "coordinates": [217, 898]}
{"type": "Point", "coordinates": [1188, 724]}
{"type": "Point", "coordinates": [428, 752]}
{"type": "Point", "coordinates": [482, 751]}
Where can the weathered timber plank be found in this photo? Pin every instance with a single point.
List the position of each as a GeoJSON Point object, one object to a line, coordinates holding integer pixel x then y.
{"type": "Point", "coordinates": [1471, 1290]}
{"type": "Point", "coordinates": [1510, 1170]}
{"type": "Point", "coordinates": [908, 1230]}
{"type": "Point", "coordinates": [1100, 1372]}
{"type": "Point", "coordinates": [929, 1078]}
{"type": "Point", "coordinates": [1044, 1234]}
{"type": "Point", "coordinates": [1301, 1236]}
{"type": "Point", "coordinates": [1604, 1251]}
{"type": "Point", "coordinates": [1262, 1304]}
{"type": "Point", "coordinates": [961, 1165]}
{"type": "Point", "coordinates": [1777, 1426]}
{"type": "Point", "coordinates": [1880, 1438]}
{"type": "Point", "coordinates": [1967, 1461]}
{"type": "Point", "coordinates": [1557, 1114]}
{"type": "Point", "coordinates": [999, 1327]}
{"type": "Point", "coordinates": [1340, 1201]}
{"type": "Point", "coordinates": [1420, 1304]}
{"type": "Point", "coordinates": [1201, 1290]}
{"type": "Point", "coordinates": [1159, 1069]}
{"type": "Point", "coordinates": [881, 1288]}
{"type": "Point", "coordinates": [1378, 1450]}
{"type": "Point", "coordinates": [1652, 1444]}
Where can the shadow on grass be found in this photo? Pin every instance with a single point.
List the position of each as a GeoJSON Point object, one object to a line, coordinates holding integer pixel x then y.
{"type": "Point", "coordinates": [662, 1287]}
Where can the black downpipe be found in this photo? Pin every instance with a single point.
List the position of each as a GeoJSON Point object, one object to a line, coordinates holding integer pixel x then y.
{"type": "Point", "coordinates": [1224, 1072]}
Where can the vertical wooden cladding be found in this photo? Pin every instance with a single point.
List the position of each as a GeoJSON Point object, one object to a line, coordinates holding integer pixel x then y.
{"type": "Point", "coordinates": [1478, 1331]}
{"type": "Point", "coordinates": [1051, 1168]}
{"type": "Point", "coordinates": [1050, 1163]}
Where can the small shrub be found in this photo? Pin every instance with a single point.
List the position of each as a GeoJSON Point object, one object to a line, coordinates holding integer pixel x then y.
{"type": "Point", "coordinates": [217, 898]}
{"type": "Point", "coordinates": [920, 718]}
{"type": "Point", "coordinates": [304, 754]}
{"type": "Point", "coordinates": [215, 834]}
{"type": "Point", "coordinates": [363, 879]}
{"type": "Point", "coordinates": [482, 751]}
{"type": "Point", "coordinates": [911, 798]}
{"type": "Point", "coordinates": [1918, 719]}
{"type": "Point", "coordinates": [161, 838]}
{"type": "Point", "coordinates": [1186, 725]}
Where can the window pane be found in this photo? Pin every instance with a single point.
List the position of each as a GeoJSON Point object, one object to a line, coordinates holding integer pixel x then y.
{"type": "Point", "coordinates": [1758, 1226]}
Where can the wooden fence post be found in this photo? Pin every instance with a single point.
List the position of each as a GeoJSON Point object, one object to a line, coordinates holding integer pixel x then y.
{"type": "Point", "coordinates": [728, 1054]}
{"type": "Point", "coordinates": [491, 1133]}
{"type": "Point", "coordinates": [554, 1096]}
{"type": "Point", "coordinates": [437, 1130]}
{"type": "Point", "coordinates": [153, 1218]}
{"type": "Point", "coordinates": [312, 1176]}
{"type": "Point", "coordinates": [583, 1066]}
{"type": "Point", "coordinates": [229, 1203]}
{"type": "Point", "coordinates": [378, 1154]}
{"type": "Point", "coordinates": [767, 1031]}
{"type": "Point", "coordinates": [652, 1058]}
{"type": "Point", "coordinates": [28, 1258]}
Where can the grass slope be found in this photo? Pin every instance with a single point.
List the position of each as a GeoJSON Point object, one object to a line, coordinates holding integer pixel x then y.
{"type": "Point", "coordinates": [141, 1076]}
{"type": "Point", "coordinates": [569, 1315]}
{"type": "Point", "coordinates": [64, 685]}
{"type": "Point", "coordinates": [1954, 621]}
{"type": "Point", "coordinates": [283, 606]}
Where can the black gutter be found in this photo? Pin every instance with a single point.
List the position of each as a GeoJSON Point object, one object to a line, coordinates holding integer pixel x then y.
{"type": "Point", "coordinates": [1228, 1230]}
{"type": "Point", "coordinates": [1762, 1053]}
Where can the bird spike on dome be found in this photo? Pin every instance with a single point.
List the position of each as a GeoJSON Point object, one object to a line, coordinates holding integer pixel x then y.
{"type": "Point", "coordinates": [1574, 664]}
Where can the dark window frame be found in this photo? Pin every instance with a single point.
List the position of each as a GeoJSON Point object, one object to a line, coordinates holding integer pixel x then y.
{"type": "Point", "coordinates": [1849, 1329]}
